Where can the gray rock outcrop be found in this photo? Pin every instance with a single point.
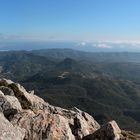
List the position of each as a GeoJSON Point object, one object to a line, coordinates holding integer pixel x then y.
{"type": "Point", "coordinates": [38, 119]}
{"type": "Point", "coordinates": [110, 131]}
{"type": "Point", "coordinates": [8, 131]}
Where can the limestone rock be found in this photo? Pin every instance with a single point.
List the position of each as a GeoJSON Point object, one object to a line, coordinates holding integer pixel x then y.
{"type": "Point", "coordinates": [26, 99]}
{"type": "Point", "coordinates": [9, 105]}
{"type": "Point", "coordinates": [42, 121]}
{"type": "Point", "coordinates": [56, 123]}
{"type": "Point", "coordinates": [7, 91]}
{"type": "Point", "coordinates": [8, 131]}
{"type": "Point", "coordinates": [110, 131]}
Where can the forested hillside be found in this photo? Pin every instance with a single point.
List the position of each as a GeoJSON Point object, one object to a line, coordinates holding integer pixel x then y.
{"type": "Point", "coordinates": [106, 85]}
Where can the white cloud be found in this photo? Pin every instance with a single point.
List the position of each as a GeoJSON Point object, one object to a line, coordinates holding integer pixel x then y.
{"type": "Point", "coordinates": [82, 44]}
{"type": "Point", "coordinates": [103, 45]}
{"type": "Point", "coordinates": [120, 41]}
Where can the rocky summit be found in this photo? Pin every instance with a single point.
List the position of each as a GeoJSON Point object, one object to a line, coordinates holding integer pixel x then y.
{"type": "Point", "coordinates": [25, 116]}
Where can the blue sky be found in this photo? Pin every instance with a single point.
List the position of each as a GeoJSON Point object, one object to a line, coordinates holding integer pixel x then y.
{"type": "Point", "coordinates": [70, 19]}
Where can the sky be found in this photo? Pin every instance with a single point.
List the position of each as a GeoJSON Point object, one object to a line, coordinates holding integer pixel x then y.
{"type": "Point", "coordinates": [70, 20]}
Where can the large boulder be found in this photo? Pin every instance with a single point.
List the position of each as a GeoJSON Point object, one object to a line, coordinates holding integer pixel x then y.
{"type": "Point", "coordinates": [9, 105]}
{"type": "Point", "coordinates": [109, 131]}
{"type": "Point", "coordinates": [8, 131]}
{"type": "Point", "coordinates": [55, 123]}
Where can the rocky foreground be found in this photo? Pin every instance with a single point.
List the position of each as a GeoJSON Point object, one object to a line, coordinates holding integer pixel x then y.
{"type": "Point", "coordinates": [25, 116]}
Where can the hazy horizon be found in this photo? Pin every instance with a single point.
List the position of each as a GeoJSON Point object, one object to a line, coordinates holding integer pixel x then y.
{"type": "Point", "coordinates": [105, 25]}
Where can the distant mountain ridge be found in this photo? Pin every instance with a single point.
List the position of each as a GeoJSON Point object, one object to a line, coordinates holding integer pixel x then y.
{"type": "Point", "coordinates": [93, 56]}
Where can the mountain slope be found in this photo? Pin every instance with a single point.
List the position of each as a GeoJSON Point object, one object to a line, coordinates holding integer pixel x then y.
{"type": "Point", "coordinates": [24, 115]}
{"type": "Point", "coordinates": [105, 89]}
{"type": "Point", "coordinates": [19, 65]}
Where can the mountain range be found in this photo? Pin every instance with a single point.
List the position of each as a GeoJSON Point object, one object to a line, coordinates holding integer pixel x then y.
{"type": "Point", "coordinates": [106, 85]}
